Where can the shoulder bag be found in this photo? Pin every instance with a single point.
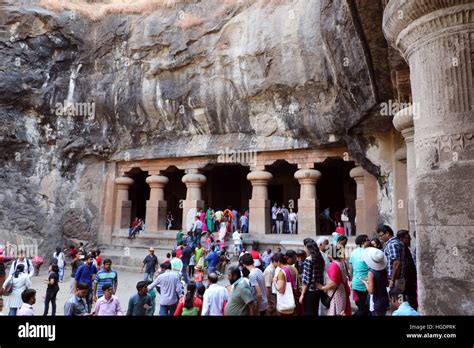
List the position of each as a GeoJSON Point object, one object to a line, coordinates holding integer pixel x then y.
{"type": "Point", "coordinates": [286, 302]}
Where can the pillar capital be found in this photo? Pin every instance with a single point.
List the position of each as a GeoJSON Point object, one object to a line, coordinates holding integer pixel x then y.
{"type": "Point", "coordinates": [259, 177]}
{"type": "Point", "coordinates": [307, 176]}
{"type": "Point", "coordinates": [411, 23]}
{"type": "Point", "coordinates": [357, 173]}
{"type": "Point", "coordinates": [193, 179]}
{"type": "Point", "coordinates": [123, 182]}
{"type": "Point", "coordinates": [157, 181]}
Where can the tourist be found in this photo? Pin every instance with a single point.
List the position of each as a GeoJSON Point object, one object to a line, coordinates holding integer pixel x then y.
{"type": "Point", "coordinates": [223, 261]}
{"type": "Point", "coordinates": [179, 237]}
{"type": "Point", "coordinates": [150, 263]}
{"type": "Point", "coordinates": [266, 258]}
{"type": "Point", "coordinates": [52, 289]}
{"type": "Point", "coordinates": [244, 223]}
{"type": "Point", "coordinates": [241, 301]}
{"type": "Point", "coordinates": [400, 305]}
{"type": "Point", "coordinates": [108, 304]}
{"type": "Point", "coordinates": [152, 293]}
{"type": "Point", "coordinates": [274, 217]}
{"type": "Point", "coordinates": [28, 297]}
{"type": "Point", "coordinates": [337, 287]}
{"type": "Point", "coordinates": [359, 270]}
{"type": "Point", "coordinates": [28, 267]}
{"type": "Point", "coordinates": [237, 238]}
{"type": "Point", "coordinates": [235, 220]}
{"type": "Point", "coordinates": [340, 229]}
{"type": "Point", "coordinates": [377, 280]}
{"type": "Point", "coordinates": [290, 256]}
{"type": "Point", "coordinates": [60, 260]}
{"type": "Point", "coordinates": [106, 276]}
{"type": "Point", "coordinates": [196, 230]}
{"type": "Point", "coordinates": [169, 220]}
{"type": "Point", "coordinates": [199, 255]}
{"type": "Point", "coordinates": [268, 275]}
{"type": "Point", "coordinates": [202, 218]}
{"type": "Point", "coordinates": [280, 217]}
{"type": "Point", "coordinates": [191, 265]}
{"type": "Point", "coordinates": [169, 289]}
{"type": "Point", "coordinates": [285, 302]}
{"type": "Point", "coordinates": [342, 241]}
{"type": "Point", "coordinates": [140, 304]}
{"type": "Point", "coordinates": [86, 274]}
{"type": "Point", "coordinates": [187, 241]}
{"type": "Point", "coordinates": [98, 259]}
{"type": "Point", "coordinates": [77, 305]}
{"type": "Point", "coordinates": [81, 247]}
{"type": "Point", "coordinates": [201, 290]}
{"type": "Point", "coordinates": [189, 304]}
{"type": "Point", "coordinates": [210, 220]}
{"type": "Point", "coordinates": [223, 231]}
{"type": "Point", "coordinates": [13, 286]}
{"type": "Point", "coordinates": [300, 257]}
{"type": "Point", "coordinates": [257, 284]}
{"type": "Point", "coordinates": [286, 215]}
{"type": "Point", "coordinates": [323, 246]}
{"type": "Point", "coordinates": [376, 243]}
{"type": "Point", "coordinates": [257, 258]}
{"type": "Point", "coordinates": [217, 219]}
{"type": "Point", "coordinates": [292, 219]}
{"type": "Point", "coordinates": [135, 228]}
{"type": "Point", "coordinates": [71, 252]}
{"type": "Point", "coordinates": [215, 298]}
{"type": "Point", "coordinates": [75, 264]}
{"type": "Point", "coordinates": [410, 269]}
{"type": "Point", "coordinates": [167, 258]}
{"type": "Point", "coordinates": [3, 259]}
{"type": "Point", "coordinates": [395, 253]}
{"type": "Point", "coordinates": [229, 218]}
{"type": "Point", "coordinates": [212, 260]}
{"type": "Point", "coordinates": [37, 262]}
{"type": "Point", "coordinates": [199, 275]}
{"type": "Point", "coordinates": [312, 278]}
{"type": "Point", "coordinates": [186, 256]}
{"type": "Point", "coordinates": [176, 263]}
{"type": "Point", "coordinates": [346, 221]}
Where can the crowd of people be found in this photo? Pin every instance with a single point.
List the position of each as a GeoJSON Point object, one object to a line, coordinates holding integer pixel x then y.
{"type": "Point", "coordinates": [318, 279]}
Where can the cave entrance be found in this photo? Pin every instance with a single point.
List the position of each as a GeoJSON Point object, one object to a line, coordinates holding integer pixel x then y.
{"type": "Point", "coordinates": [283, 189]}
{"type": "Point", "coordinates": [335, 190]}
{"type": "Point", "coordinates": [139, 193]}
{"type": "Point", "coordinates": [226, 186]}
{"type": "Point", "coordinates": [175, 193]}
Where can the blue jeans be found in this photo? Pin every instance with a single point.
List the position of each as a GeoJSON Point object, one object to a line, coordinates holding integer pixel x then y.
{"type": "Point", "coordinates": [148, 276]}
{"type": "Point", "coordinates": [61, 273]}
{"type": "Point", "coordinates": [12, 312]}
{"type": "Point", "coordinates": [185, 273]}
{"type": "Point", "coordinates": [245, 228]}
{"type": "Point", "coordinates": [211, 270]}
{"type": "Point", "coordinates": [167, 310]}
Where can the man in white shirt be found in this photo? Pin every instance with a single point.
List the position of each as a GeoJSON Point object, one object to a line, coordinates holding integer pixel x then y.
{"type": "Point", "coordinates": [29, 268]}
{"type": "Point", "coordinates": [215, 297]}
{"type": "Point", "coordinates": [237, 237]}
{"type": "Point", "coordinates": [197, 230]}
{"type": "Point", "coordinates": [29, 299]}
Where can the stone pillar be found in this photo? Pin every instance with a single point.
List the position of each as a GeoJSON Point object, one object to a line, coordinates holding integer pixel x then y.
{"type": "Point", "coordinates": [259, 205]}
{"type": "Point", "coordinates": [308, 220]}
{"type": "Point", "coordinates": [403, 122]}
{"type": "Point", "coordinates": [357, 173]}
{"type": "Point", "coordinates": [156, 205]}
{"type": "Point", "coordinates": [437, 40]}
{"type": "Point", "coordinates": [123, 206]}
{"type": "Point", "coordinates": [193, 202]}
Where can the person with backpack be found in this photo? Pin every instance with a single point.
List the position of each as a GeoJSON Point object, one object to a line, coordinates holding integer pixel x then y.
{"type": "Point", "coordinates": [28, 267]}
{"type": "Point", "coordinates": [60, 260]}
{"type": "Point", "coordinates": [52, 290]}
{"type": "Point", "coordinates": [14, 286]}
{"type": "Point", "coordinates": [86, 274]}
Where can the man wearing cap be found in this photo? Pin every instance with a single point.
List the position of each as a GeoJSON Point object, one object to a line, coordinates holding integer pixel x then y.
{"type": "Point", "coordinates": [377, 280]}
{"type": "Point", "coordinates": [150, 263]}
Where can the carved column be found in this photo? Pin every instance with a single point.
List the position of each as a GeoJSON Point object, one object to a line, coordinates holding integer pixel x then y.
{"type": "Point", "coordinates": [193, 202]}
{"type": "Point", "coordinates": [259, 205]}
{"type": "Point", "coordinates": [308, 221]}
{"type": "Point", "coordinates": [403, 122]}
{"type": "Point", "coordinates": [437, 40]}
{"type": "Point", "coordinates": [357, 173]}
{"type": "Point", "coordinates": [123, 206]}
{"type": "Point", "coordinates": [156, 205]}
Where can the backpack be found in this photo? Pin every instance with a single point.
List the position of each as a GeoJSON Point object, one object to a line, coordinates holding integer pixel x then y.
{"type": "Point", "coordinates": [27, 265]}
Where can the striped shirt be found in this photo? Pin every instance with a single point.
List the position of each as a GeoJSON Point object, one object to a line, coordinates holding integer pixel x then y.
{"type": "Point", "coordinates": [105, 278]}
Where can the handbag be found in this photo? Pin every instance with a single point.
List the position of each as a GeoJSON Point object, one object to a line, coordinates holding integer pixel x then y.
{"type": "Point", "coordinates": [286, 302]}
{"type": "Point", "coordinates": [344, 218]}
{"type": "Point", "coordinates": [326, 300]}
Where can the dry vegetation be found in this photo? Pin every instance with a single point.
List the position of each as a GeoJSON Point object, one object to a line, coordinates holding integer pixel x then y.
{"type": "Point", "coordinates": [98, 9]}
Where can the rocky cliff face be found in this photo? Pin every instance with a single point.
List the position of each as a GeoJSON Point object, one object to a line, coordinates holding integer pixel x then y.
{"type": "Point", "coordinates": [188, 79]}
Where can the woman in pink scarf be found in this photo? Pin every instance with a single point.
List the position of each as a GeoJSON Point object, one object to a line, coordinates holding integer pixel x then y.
{"type": "Point", "coordinates": [338, 285]}
{"type": "Point", "coordinates": [202, 217]}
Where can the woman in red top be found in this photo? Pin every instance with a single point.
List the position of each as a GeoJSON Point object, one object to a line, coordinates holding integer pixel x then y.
{"type": "Point", "coordinates": [189, 304]}
{"type": "Point", "coordinates": [340, 229]}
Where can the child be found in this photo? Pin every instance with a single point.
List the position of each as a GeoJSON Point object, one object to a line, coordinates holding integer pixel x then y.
{"type": "Point", "coordinates": [192, 263]}
{"type": "Point", "coordinates": [300, 257]}
{"type": "Point", "coordinates": [28, 297]}
{"type": "Point", "coordinates": [198, 275]}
